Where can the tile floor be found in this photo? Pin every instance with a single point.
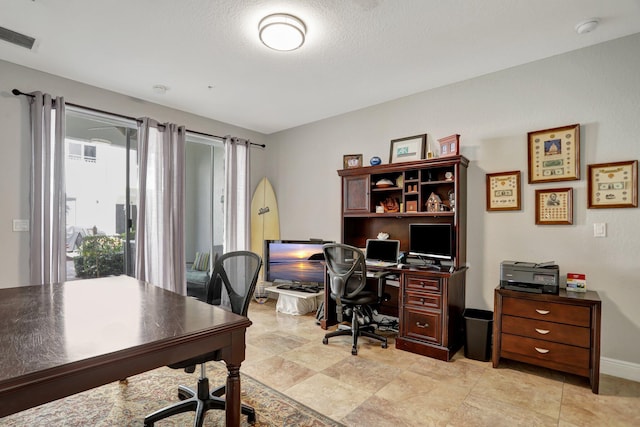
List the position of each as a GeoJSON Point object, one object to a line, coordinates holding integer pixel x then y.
{"type": "Point", "coordinates": [389, 387]}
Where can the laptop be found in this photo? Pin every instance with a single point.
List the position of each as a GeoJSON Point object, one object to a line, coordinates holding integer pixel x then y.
{"type": "Point", "coordinates": [382, 253]}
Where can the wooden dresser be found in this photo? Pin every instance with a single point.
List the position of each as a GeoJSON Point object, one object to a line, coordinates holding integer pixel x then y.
{"type": "Point", "coordinates": [560, 332]}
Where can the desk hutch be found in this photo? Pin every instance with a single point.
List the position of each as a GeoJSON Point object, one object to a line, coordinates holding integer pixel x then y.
{"type": "Point", "coordinates": [429, 302]}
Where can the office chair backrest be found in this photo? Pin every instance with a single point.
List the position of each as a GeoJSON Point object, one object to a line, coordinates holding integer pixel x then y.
{"type": "Point", "coordinates": [347, 269]}
{"type": "Point", "coordinates": [237, 272]}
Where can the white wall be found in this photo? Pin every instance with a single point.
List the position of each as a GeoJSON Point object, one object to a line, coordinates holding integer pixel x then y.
{"type": "Point", "coordinates": [15, 146]}
{"type": "Point", "coordinates": [598, 87]}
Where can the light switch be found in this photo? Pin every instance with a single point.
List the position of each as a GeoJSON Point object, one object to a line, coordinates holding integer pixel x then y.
{"type": "Point", "coordinates": [20, 225]}
{"type": "Point", "coordinates": [600, 229]}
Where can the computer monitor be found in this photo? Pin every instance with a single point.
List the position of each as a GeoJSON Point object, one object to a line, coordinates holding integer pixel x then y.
{"type": "Point", "coordinates": [294, 261]}
{"type": "Point", "coordinates": [432, 240]}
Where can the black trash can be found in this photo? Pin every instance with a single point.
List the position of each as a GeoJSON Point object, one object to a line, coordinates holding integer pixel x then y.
{"type": "Point", "coordinates": [478, 329]}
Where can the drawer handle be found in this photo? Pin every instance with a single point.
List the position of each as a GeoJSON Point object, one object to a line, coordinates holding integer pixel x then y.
{"type": "Point", "coordinates": [542, 311]}
{"type": "Point", "coordinates": [542, 331]}
{"type": "Point", "coordinates": [542, 350]}
{"type": "Point", "coordinates": [423, 325]}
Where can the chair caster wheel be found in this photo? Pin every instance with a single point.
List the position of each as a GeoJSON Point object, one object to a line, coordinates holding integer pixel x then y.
{"type": "Point", "coordinates": [384, 345]}
{"type": "Point", "coordinates": [354, 351]}
{"type": "Point", "coordinates": [325, 341]}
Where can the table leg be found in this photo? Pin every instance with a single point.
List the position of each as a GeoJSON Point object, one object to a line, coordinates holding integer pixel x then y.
{"type": "Point", "coordinates": [233, 398]}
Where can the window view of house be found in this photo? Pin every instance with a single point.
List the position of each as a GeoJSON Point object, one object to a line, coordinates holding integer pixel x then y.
{"type": "Point", "coordinates": [101, 195]}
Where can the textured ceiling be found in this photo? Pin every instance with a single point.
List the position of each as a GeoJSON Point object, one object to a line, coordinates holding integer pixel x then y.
{"type": "Point", "coordinates": [357, 53]}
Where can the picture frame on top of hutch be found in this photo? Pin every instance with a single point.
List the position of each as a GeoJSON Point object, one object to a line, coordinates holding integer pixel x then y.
{"type": "Point", "coordinates": [612, 185]}
{"type": "Point", "coordinates": [408, 149]}
{"type": "Point", "coordinates": [554, 154]}
{"type": "Point", "coordinates": [450, 145]}
{"type": "Point", "coordinates": [554, 206]}
{"type": "Point", "coordinates": [504, 191]}
{"type": "Point", "coordinates": [350, 161]}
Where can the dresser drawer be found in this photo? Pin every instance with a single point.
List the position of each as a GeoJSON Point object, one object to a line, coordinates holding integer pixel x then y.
{"type": "Point", "coordinates": [547, 311]}
{"type": "Point", "coordinates": [546, 350]}
{"type": "Point", "coordinates": [422, 325]}
{"type": "Point", "coordinates": [423, 300]}
{"type": "Point", "coordinates": [422, 284]}
{"type": "Point", "coordinates": [548, 331]}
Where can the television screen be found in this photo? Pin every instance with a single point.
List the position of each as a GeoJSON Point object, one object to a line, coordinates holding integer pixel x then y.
{"type": "Point", "coordinates": [294, 261]}
{"type": "Point", "coordinates": [431, 241]}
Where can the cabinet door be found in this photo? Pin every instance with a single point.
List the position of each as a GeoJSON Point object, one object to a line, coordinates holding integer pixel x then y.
{"type": "Point", "coordinates": [356, 194]}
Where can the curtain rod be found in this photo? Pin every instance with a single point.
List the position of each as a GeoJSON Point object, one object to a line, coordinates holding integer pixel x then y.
{"type": "Point", "coordinates": [17, 92]}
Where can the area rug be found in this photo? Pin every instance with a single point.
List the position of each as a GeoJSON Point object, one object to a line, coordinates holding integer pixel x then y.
{"type": "Point", "coordinates": [127, 403]}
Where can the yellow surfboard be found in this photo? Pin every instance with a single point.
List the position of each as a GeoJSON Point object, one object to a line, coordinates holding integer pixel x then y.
{"type": "Point", "coordinates": [265, 222]}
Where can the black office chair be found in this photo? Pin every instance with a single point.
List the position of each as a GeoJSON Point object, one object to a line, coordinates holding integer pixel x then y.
{"type": "Point", "coordinates": [348, 278]}
{"type": "Point", "coordinates": [237, 273]}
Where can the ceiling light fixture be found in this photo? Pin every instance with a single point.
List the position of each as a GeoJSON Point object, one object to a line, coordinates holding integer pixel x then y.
{"type": "Point", "coordinates": [587, 26]}
{"type": "Point", "coordinates": [281, 31]}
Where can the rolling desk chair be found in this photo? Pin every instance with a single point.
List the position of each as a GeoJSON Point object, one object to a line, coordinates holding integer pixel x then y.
{"type": "Point", "coordinates": [348, 278]}
{"type": "Point", "coordinates": [237, 272]}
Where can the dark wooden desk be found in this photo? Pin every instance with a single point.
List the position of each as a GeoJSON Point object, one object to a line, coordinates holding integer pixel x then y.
{"type": "Point", "coordinates": [61, 339]}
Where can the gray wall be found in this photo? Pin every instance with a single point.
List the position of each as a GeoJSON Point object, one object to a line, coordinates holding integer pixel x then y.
{"type": "Point", "coordinates": [598, 87]}
{"type": "Point", "coordinates": [14, 162]}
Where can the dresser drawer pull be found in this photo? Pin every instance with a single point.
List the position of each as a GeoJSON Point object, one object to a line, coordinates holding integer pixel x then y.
{"type": "Point", "coordinates": [542, 331]}
{"type": "Point", "coordinates": [542, 350]}
{"type": "Point", "coordinates": [422, 325]}
{"type": "Point", "coordinates": [542, 311]}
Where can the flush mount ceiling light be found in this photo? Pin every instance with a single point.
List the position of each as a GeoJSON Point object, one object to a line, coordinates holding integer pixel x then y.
{"type": "Point", "coordinates": [587, 26]}
{"type": "Point", "coordinates": [281, 31]}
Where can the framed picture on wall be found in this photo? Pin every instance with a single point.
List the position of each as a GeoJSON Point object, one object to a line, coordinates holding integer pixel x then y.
{"type": "Point", "coordinates": [503, 191]}
{"type": "Point", "coordinates": [408, 149]}
{"type": "Point", "coordinates": [613, 185]}
{"type": "Point", "coordinates": [554, 154]}
{"type": "Point", "coordinates": [350, 161]}
{"type": "Point", "coordinates": [554, 206]}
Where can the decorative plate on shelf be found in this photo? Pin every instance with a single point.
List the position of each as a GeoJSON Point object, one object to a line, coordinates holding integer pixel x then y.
{"type": "Point", "coordinates": [384, 183]}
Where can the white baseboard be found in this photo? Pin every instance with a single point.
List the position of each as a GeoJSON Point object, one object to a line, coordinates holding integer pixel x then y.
{"type": "Point", "coordinates": [620, 369]}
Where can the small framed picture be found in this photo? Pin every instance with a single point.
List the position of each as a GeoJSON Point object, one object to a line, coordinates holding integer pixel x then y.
{"type": "Point", "coordinates": [350, 161]}
{"type": "Point", "coordinates": [613, 185]}
{"type": "Point", "coordinates": [408, 149]}
{"type": "Point", "coordinates": [554, 206]}
{"type": "Point", "coordinates": [554, 154]}
{"type": "Point", "coordinates": [450, 145]}
{"type": "Point", "coordinates": [503, 191]}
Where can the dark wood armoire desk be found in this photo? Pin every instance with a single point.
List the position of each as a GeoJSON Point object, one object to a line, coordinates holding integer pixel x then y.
{"type": "Point", "coordinates": [430, 306]}
{"type": "Point", "coordinates": [61, 339]}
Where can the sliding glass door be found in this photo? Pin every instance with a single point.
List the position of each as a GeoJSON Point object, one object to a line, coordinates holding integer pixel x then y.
{"type": "Point", "coordinates": [101, 188]}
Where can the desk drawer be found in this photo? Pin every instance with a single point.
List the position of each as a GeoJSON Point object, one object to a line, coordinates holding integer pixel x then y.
{"type": "Point", "coordinates": [422, 325]}
{"type": "Point", "coordinates": [577, 357]}
{"type": "Point", "coordinates": [548, 331]}
{"type": "Point", "coordinates": [422, 284]}
{"type": "Point", "coordinates": [423, 300]}
{"type": "Point", "coordinates": [547, 311]}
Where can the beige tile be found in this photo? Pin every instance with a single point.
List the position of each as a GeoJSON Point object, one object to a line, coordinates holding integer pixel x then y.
{"type": "Point", "coordinates": [315, 356]}
{"type": "Point", "coordinates": [528, 392]}
{"type": "Point", "coordinates": [327, 395]}
{"type": "Point", "coordinates": [364, 374]}
{"type": "Point", "coordinates": [479, 410]}
{"type": "Point", "coordinates": [277, 373]}
{"type": "Point", "coordinates": [617, 404]}
{"type": "Point", "coordinates": [452, 372]}
{"type": "Point", "coordinates": [277, 342]}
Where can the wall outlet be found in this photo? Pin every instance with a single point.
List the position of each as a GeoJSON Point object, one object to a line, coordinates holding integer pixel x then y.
{"type": "Point", "coordinates": [600, 229]}
{"type": "Point", "coordinates": [20, 225]}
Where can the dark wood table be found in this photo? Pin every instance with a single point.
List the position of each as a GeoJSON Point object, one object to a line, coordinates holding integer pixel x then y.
{"type": "Point", "coordinates": [61, 339]}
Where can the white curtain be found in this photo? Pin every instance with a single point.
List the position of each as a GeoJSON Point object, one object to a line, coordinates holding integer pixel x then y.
{"type": "Point", "coordinates": [160, 253]}
{"type": "Point", "coordinates": [47, 217]}
{"type": "Point", "coordinates": [236, 195]}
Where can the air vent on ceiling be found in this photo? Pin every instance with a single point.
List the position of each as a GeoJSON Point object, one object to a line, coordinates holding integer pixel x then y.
{"type": "Point", "coordinates": [16, 38]}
